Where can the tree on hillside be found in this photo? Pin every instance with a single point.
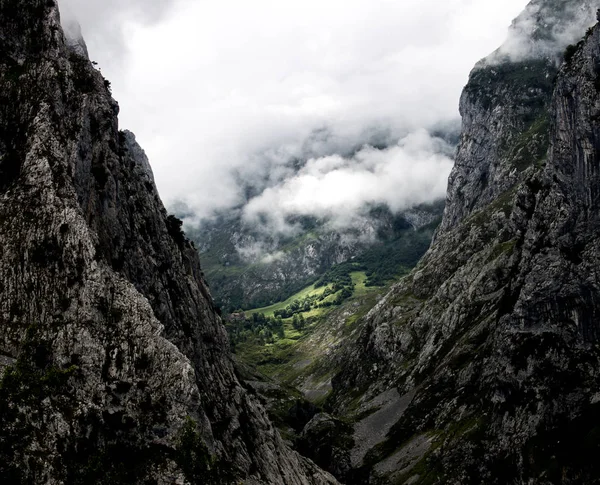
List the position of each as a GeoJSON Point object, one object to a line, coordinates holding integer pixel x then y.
{"type": "Point", "coordinates": [298, 321]}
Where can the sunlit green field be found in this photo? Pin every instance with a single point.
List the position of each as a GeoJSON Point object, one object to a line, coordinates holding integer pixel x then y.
{"type": "Point", "coordinates": [270, 310]}
{"type": "Point", "coordinates": [280, 358]}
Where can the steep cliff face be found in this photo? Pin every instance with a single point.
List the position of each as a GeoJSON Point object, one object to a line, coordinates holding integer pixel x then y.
{"type": "Point", "coordinates": [116, 365]}
{"type": "Point", "coordinates": [505, 105]}
{"type": "Point", "coordinates": [483, 365]}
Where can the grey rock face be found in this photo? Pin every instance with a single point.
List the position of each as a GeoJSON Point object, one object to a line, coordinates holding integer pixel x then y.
{"type": "Point", "coordinates": [504, 106]}
{"type": "Point", "coordinates": [137, 153]}
{"type": "Point", "coordinates": [545, 28]}
{"type": "Point", "coordinates": [74, 38]}
{"type": "Point", "coordinates": [326, 440]}
{"type": "Point", "coordinates": [505, 128]}
{"type": "Point", "coordinates": [496, 331]}
{"type": "Point", "coordinates": [118, 368]}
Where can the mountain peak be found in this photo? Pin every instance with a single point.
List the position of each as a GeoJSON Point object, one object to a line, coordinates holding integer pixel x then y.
{"type": "Point", "coordinates": [544, 29]}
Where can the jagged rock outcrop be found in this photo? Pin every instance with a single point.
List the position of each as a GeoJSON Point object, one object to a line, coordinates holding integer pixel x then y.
{"type": "Point", "coordinates": [117, 368]}
{"type": "Point", "coordinates": [483, 365]}
{"type": "Point", "coordinates": [74, 37]}
{"type": "Point", "coordinates": [327, 440]}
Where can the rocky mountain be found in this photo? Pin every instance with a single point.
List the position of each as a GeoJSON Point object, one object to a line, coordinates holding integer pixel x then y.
{"type": "Point", "coordinates": [482, 365]}
{"type": "Point", "coordinates": [116, 367]}
{"type": "Point", "coordinates": [504, 106]}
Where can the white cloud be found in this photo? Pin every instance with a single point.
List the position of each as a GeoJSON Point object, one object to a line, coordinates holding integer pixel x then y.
{"type": "Point", "coordinates": [337, 189]}
{"type": "Point", "coordinates": [107, 23]}
{"type": "Point", "coordinates": [227, 94]}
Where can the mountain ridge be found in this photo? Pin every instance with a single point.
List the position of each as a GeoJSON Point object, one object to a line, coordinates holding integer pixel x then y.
{"type": "Point", "coordinates": [248, 269]}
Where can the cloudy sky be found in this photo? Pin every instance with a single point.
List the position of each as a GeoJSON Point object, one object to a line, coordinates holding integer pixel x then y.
{"type": "Point", "coordinates": [229, 95]}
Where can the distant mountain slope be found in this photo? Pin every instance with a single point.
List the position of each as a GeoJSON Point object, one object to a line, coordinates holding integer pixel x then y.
{"type": "Point", "coordinates": [247, 268]}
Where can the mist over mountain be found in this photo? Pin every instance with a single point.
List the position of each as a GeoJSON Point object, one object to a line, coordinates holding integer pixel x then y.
{"type": "Point", "coordinates": [105, 23]}
{"type": "Point", "coordinates": [337, 189]}
{"type": "Point", "coordinates": [327, 202]}
{"type": "Point", "coordinates": [544, 30]}
{"type": "Point", "coordinates": [227, 111]}
{"type": "Point", "coordinates": [302, 216]}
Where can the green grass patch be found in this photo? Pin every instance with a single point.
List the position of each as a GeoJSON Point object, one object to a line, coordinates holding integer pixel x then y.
{"type": "Point", "coordinates": [301, 295]}
{"type": "Point", "coordinates": [359, 280]}
{"type": "Point", "coordinates": [502, 248]}
{"type": "Point", "coordinates": [285, 358]}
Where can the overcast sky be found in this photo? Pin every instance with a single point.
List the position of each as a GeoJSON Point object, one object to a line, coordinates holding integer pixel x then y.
{"type": "Point", "coordinates": [223, 93]}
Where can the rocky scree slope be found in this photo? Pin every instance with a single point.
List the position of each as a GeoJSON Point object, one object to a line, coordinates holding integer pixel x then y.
{"type": "Point", "coordinates": [116, 365]}
{"type": "Point", "coordinates": [483, 365]}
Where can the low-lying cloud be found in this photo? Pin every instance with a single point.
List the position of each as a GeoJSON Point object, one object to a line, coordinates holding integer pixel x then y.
{"type": "Point", "coordinates": [276, 104]}
{"type": "Point", "coordinates": [337, 189]}
{"type": "Point", "coordinates": [107, 24]}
